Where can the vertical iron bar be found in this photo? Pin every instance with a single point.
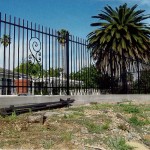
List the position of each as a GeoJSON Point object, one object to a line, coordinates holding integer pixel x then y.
{"type": "Point", "coordinates": [0, 23]}
{"type": "Point", "coordinates": [46, 60]}
{"type": "Point", "coordinates": [89, 73]}
{"type": "Point", "coordinates": [18, 50]}
{"type": "Point", "coordinates": [0, 37]}
{"type": "Point", "coordinates": [38, 85]}
{"type": "Point", "coordinates": [74, 63]}
{"type": "Point", "coordinates": [27, 56]}
{"type": "Point", "coordinates": [59, 65]}
{"type": "Point", "coordinates": [79, 52]}
{"type": "Point", "coordinates": [4, 62]}
{"type": "Point", "coordinates": [52, 58]}
{"type": "Point", "coordinates": [84, 63]}
{"type": "Point", "coordinates": [49, 61]}
{"type": "Point", "coordinates": [138, 69]}
{"type": "Point", "coordinates": [81, 64]}
{"type": "Point", "coordinates": [71, 62]}
{"type": "Point", "coordinates": [23, 69]}
{"type": "Point", "coordinates": [14, 86]}
{"type": "Point", "coordinates": [9, 49]}
{"type": "Point", "coordinates": [56, 53]}
{"type": "Point", "coordinates": [9, 81]}
{"type": "Point", "coordinates": [42, 59]}
{"type": "Point", "coordinates": [31, 82]}
{"type": "Point", "coordinates": [87, 60]}
{"type": "Point", "coordinates": [111, 71]}
{"type": "Point", "coordinates": [67, 57]}
{"type": "Point", "coordinates": [35, 29]}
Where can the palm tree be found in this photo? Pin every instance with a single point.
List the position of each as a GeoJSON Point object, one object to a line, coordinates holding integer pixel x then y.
{"type": "Point", "coordinates": [5, 40]}
{"type": "Point", "coordinates": [121, 34]}
{"type": "Point", "coordinates": [62, 36]}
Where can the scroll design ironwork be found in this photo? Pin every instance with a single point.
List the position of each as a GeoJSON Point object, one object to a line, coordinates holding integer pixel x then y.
{"type": "Point", "coordinates": [35, 58]}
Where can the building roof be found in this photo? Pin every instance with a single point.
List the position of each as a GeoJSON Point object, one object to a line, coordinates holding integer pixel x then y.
{"type": "Point", "coordinates": [11, 73]}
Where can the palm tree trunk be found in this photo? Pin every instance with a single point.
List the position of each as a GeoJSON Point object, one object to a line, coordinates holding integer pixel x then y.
{"type": "Point", "coordinates": [64, 64]}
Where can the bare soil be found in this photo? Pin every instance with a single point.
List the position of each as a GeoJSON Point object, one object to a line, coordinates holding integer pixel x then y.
{"type": "Point", "coordinates": [87, 127]}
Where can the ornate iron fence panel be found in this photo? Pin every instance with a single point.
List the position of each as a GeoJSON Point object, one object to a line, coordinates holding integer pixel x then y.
{"type": "Point", "coordinates": [33, 61]}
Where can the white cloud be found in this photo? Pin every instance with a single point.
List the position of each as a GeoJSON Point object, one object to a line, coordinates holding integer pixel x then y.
{"type": "Point", "coordinates": [139, 2]}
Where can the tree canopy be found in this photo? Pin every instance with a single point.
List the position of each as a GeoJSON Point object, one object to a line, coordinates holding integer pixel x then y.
{"type": "Point", "coordinates": [62, 34]}
{"type": "Point", "coordinates": [36, 70]}
{"type": "Point", "coordinates": [5, 40]}
{"type": "Point", "coordinates": [121, 31]}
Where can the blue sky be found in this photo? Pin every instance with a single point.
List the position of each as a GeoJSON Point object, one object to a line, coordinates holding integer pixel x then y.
{"type": "Point", "coordinates": [73, 15]}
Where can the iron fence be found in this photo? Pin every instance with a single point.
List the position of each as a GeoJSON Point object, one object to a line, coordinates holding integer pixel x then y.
{"type": "Point", "coordinates": [134, 79]}
{"type": "Point", "coordinates": [34, 62]}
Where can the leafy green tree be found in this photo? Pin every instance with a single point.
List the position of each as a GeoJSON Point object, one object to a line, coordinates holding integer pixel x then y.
{"type": "Point", "coordinates": [143, 83]}
{"type": "Point", "coordinates": [93, 78]}
{"type": "Point", "coordinates": [130, 77]}
{"type": "Point", "coordinates": [89, 75]}
{"type": "Point", "coordinates": [53, 72]}
{"type": "Point", "coordinates": [122, 33]}
{"type": "Point", "coordinates": [35, 70]}
{"type": "Point", "coordinates": [30, 69]}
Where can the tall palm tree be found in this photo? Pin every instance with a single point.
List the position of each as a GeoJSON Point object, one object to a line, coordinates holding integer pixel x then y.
{"type": "Point", "coordinates": [62, 36]}
{"type": "Point", "coordinates": [5, 40]}
{"type": "Point", "coordinates": [121, 34]}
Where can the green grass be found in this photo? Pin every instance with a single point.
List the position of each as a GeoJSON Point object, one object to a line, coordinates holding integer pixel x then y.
{"type": "Point", "coordinates": [134, 120]}
{"type": "Point", "coordinates": [1, 144]}
{"type": "Point", "coordinates": [66, 136]}
{"type": "Point", "coordinates": [100, 106]}
{"type": "Point", "coordinates": [94, 140]}
{"type": "Point", "coordinates": [60, 130]}
{"type": "Point", "coordinates": [47, 144]}
{"type": "Point", "coordinates": [129, 108]}
{"type": "Point", "coordinates": [118, 143]}
{"type": "Point", "coordinates": [93, 127]}
{"type": "Point", "coordinates": [74, 115]}
{"type": "Point", "coordinates": [78, 109]}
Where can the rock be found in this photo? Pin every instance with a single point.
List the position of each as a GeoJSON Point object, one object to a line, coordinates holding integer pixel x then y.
{"type": "Point", "coordinates": [36, 119]}
{"type": "Point", "coordinates": [68, 112]}
{"type": "Point", "coordinates": [84, 130]}
{"type": "Point", "coordinates": [21, 126]}
{"type": "Point", "coordinates": [147, 137]}
{"type": "Point", "coordinates": [105, 111]}
{"type": "Point", "coordinates": [132, 135]}
{"type": "Point", "coordinates": [95, 147]}
{"type": "Point", "coordinates": [49, 114]}
{"type": "Point", "coordinates": [137, 145]}
{"type": "Point", "coordinates": [38, 113]}
{"type": "Point", "coordinates": [115, 130]}
{"type": "Point", "coordinates": [129, 137]}
{"type": "Point", "coordinates": [121, 117]}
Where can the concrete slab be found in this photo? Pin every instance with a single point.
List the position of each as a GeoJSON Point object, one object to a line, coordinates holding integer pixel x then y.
{"type": "Point", "coordinates": [6, 101]}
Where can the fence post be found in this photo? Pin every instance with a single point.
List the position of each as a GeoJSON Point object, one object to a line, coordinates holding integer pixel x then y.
{"type": "Point", "coordinates": [67, 62]}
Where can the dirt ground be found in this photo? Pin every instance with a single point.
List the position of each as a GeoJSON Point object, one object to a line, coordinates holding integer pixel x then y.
{"type": "Point", "coordinates": [87, 127]}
